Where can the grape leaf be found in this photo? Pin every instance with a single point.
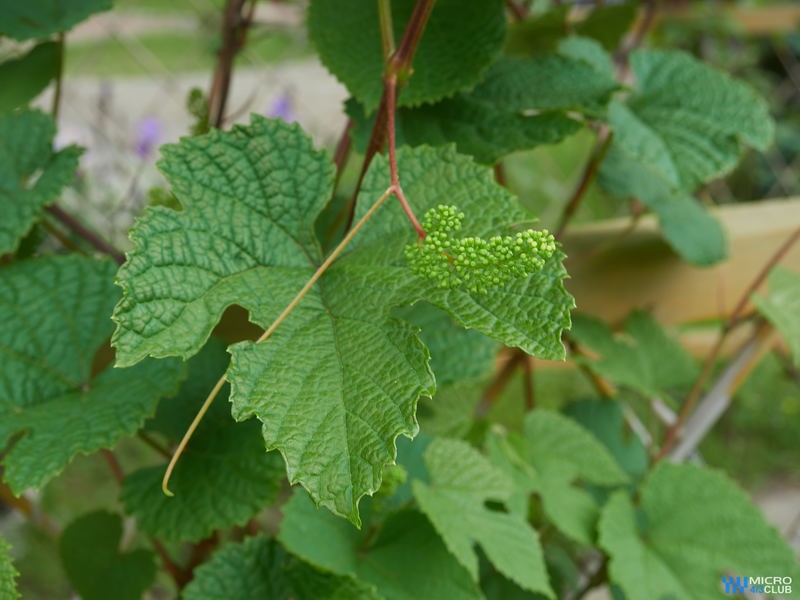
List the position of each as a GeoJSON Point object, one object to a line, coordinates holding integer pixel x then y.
{"type": "Point", "coordinates": [8, 574]}
{"type": "Point", "coordinates": [260, 569]}
{"type": "Point", "coordinates": [644, 357]}
{"type": "Point", "coordinates": [46, 390]}
{"type": "Point", "coordinates": [42, 18]}
{"type": "Point", "coordinates": [23, 78]}
{"type": "Point", "coordinates": [405, 560]}
{"type": "Point", "coordinates": [483, 130]}
{"type": "Point", "coordinates": [546, 82]}
{"type": "Point", "coordinates": [224, 477]}
{"type": "Point", "coordinates": [588, 51]}
{"type": "Point", "coordinates": [460, 40]}
{"type": "Point", "coordinates": [96, 567]}
{"type": "Point", "coordinates": [461, 482]}
{"type": "Point", "coordinates": [685, 125]}
{"type": "Point", "coordinates": [552, 454]}
{"type": "Point", "coordinates": [31, 174]}
{"type": "Point", "coordinates": [456, 354]}
{"type": "Point", "coordinates": [606, 420]}
{"type": "Point", "coordinates": [782, 306]}
{"type": "Point", "coordinates": [350, 373]}
{"type": "Point", "coordinates": [692, 526]}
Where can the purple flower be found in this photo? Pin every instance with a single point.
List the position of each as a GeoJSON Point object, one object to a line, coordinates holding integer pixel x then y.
{"type": "Point", "coordinates": [282, 109]}
{"type": "Point", "coordinates": [148, 135]}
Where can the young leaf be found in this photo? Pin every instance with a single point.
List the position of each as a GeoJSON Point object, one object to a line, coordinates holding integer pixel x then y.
{"type": "Point", "coordinates": [347, 36]}
{"type": "Point", "coordinates": [340, 378]}
{"type": "Point", "coordinates": [47, 390]}
{"type": "Point", "coordinates": [224, 477]}
{"type": "Point", "coordinates": [42, 18]}
{"type": "Point", "coordinates": [692, 527]}
{"type": "Point", "coordinates": [686, 124]}
{"type": "Point", "coordinates": [643, 357]}
{"type": "Point", "coordinates": [96, 567]}
{"type": "Point", "coordinates": [23, 78]}
{"type": "Point", "coordinates": [8, 574]}
{"type": "Point", "coordinates": [461, 482]}
{"type": "Point", "coordinates": [588, 51]}
{"type": "Point", "coordinates": [782, 306]}
{"type": "Point", "coordinates": [553, 453]}
{"type": "Point", "coordinates": [31, 174]}
{"type": "Point", "coordinates": [260, 569]}
{"type": "Point", "coordinates": [406, 560]}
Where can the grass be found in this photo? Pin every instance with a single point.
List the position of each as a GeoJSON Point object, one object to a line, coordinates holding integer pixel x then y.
{"type": "Point", "coordinates": [172, 53]}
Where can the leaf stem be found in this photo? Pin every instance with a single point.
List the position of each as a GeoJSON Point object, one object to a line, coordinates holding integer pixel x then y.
{"type": "Point", "coordinates": [59, 78]}
{"type": "Point", "coordinates": [269, 331]}
{"type": "Point", "coordinates": [672, 434]}
{"type": "Point", "coordinates": [386, 28]}
{"type": "Point", "coordinates": [92, 238]}
{"type": "Point", "coordinates": [589, 172]}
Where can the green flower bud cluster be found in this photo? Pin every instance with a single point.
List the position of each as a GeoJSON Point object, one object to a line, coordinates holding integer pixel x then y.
{"type": "Point", "coordinates": [474, 262]}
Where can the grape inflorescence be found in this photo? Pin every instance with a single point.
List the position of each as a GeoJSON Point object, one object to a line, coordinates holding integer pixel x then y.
{"type": "Point", "coordinates": [473, 262]}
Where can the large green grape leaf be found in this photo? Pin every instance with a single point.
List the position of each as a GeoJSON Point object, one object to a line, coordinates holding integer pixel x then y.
{"type": "Point", "coordinates": [23, 78]}
{"type": "Point", "coordinates": [643, 357]}
{"type": "Point", "coordinates": [782, 306]}
{"type": "Point", "coordinates": [461, 39]}
{"type": "Point", "coordinates": [8, 574]}
{"type": "Point", "coordinates": [462, 480]}
{"type": "Point", "coordinates": [260, 569]}
{"type": "Point", "coordinates": [96, 567]}
{"type": "Point", "coordinates": [59, 307]}
{"type": "Point", "coordinates": [553, 454]}
{"type": "Point", "coordinates": [402, 557]}
{"type": "Point", "coordinates": [339, 379]}
{"type": "Point", "coordinates": [31, 174]}
{"type": "Point", "coordinates": [686, 124]}
{"type": "Point", "coordinates": [224, 476]}
{"type": "Point", "coordinates": [692, 526]}
{"type": "Point", "coordinates": [42, 18]}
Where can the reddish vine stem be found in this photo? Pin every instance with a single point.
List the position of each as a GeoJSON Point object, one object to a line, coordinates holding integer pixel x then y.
{"type": "Point", "coordinates": [589, 172]}
{"type": "Point", "coordinates": [527, 380]}
{"type": "Point", "coordinates": [398, 64]}
{"type": "Point", "coordinates": [499, 382]}
{"type": "Point", "coordinates": [517, 12]}
{"type": "Point", "coordinates": [89, 236]}
{"type": "Point", "coordinates": [59, 77]}
{"type": "Point", "coordinates": [672, 434]}
{"type": "Point", "coordinates": [33, 513]}
{"type": "Point", "coordinates": [234, 31]}
{"type": "Point", "coordinates": [113, 464]}
{"type": "Point", "coordinates": [343, 147]}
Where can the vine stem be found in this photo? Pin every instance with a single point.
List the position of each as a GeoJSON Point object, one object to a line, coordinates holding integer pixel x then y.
{"type": "Point", "coordinates": [589, 173]}
{"type": "Point", "coordinates": [59, 78]}
{"type": "Point", "coordinates": [672, 434]}
{"type": "Point", "coordinates": [92, 238]}
{"type": "Point", "coordinates": [391, 190]}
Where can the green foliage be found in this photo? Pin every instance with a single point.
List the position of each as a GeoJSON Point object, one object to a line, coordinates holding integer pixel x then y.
{"type": "Point", "coordinates": [48, 388]}
{"type": "Point", "coordinates": [552, 454]}
{"type": "Point", "coordinates": [782, 306]}
{"type": "Point", "coordinates": [691, 526]}
{"type": "Point", "coordinates": [31, 174]}
{"type": "Point", "coordinates": [8, 574]}
{"type": "Point", "coordinates": [334, 416]}
{"type": "Point", "coordinates": [606, 420]}
{"type": "Point", "coordinates": [461, 482]}
{"type": "Point", "coordinates": [474, 262]}
{"type": "Point", "coordinates": [90, 552]}
{"type": "Point", "coordinates": [402, 557]}
{"type": "Point", "coordinates": [24, 78]}
{"type": "Point", "coordinates": [260, 569]}
{"type": "Point", "coordinates": [685, 125]}
{"type": "Point", "coordinates": [461, 39]}
{"type": "Point", "coordinates": [223, 479]}
{"type": "Point", "coordinates": [42, 18]}
{"type": "Point", "coordinates": [643, 357]}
